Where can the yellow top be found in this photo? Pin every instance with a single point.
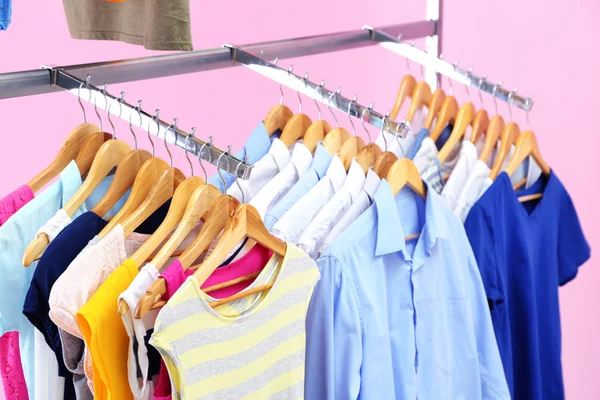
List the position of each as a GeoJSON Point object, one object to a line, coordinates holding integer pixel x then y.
{"type": "Point", "coordinates": [106, 337]}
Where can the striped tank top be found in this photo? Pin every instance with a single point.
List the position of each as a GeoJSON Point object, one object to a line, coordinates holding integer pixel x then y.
{"type": "Point", "coordinates": [252, 348]}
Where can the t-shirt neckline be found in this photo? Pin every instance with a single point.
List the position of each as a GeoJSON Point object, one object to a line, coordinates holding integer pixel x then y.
{"type": "Point", "coordinates": [542, 185]}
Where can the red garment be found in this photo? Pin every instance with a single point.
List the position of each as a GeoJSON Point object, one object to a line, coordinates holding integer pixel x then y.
{"type": "Point", "coordinates": [11, 369]}
{"type": "Point", "coordinates": [251, 262]}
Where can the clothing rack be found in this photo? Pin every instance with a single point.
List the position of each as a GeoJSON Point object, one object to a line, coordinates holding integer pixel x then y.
{"type": "Point", "coordinates": [53, 79]}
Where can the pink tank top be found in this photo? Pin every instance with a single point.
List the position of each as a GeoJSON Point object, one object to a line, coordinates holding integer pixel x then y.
{"type": "Point", "coordinates": [11, 370]}
{"type": "Point", "coordinates": [251, 262]}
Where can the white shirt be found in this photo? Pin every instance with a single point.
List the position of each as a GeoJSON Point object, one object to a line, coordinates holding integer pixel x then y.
{"type": "Point", "coordinates": [273, 191]}
{"type": "Point", "coordinates": [362, 202]}
{"type": "Point", "coordinates": [313, 236]}
{"type": "Point", "coordinates": [427, 152]}
{"type": "Point", "coordinates": [465, 164]}
{"type": "Point", "coordinates": [263, 171]}
{"type": "Point", "coordinates": [388, 141]}
{"type": "Point", "coordinates": [296, 219]}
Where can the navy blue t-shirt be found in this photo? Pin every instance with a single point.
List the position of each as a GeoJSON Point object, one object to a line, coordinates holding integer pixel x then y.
{"type": "Point", "coordinates": [525, 251]}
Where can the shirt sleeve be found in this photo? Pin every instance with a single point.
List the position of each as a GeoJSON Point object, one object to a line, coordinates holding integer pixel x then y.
{"type": "Point", "coordinates": [493, 379]}
{"type": "Point", "coordinates": [333, 336]}
{"type": "Point", "coordinates": [573, 248]}
{"type": "Point", "coordinates": [480, 233]}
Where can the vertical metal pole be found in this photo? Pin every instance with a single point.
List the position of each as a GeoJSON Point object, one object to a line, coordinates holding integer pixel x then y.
{"type": "Point", "coordinates": [433, 44]}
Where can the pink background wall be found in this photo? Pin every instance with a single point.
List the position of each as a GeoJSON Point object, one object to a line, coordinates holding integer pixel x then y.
{"type": "Point", "coordinates": [545, 47]}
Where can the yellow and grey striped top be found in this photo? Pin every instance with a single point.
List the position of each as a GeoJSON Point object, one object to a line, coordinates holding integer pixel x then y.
{"type": "Point", "coordinates": [252, 349]}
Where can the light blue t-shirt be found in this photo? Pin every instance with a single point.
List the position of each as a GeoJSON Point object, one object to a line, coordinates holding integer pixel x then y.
{"type": "Point", "coordinates": [256, 147]}
{"type": "Point", "coordinates": [5, 14]}
{"type": "Point", "coordinates": [15, 235]}
{"type": "Point", "coordinates": [317, 170]}
{"type": "Point", "coordinates": [398, 319]}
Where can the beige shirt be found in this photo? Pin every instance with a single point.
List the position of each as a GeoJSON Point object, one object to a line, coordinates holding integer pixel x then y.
{"type": "Point", "coordinates": [157, 25]}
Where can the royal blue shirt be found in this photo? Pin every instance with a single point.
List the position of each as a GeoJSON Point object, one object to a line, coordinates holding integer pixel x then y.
{"type": "Point", "coordinates": [5, 14]}
{"type": "Point", "coordinates": [525, 251]}
{"type": "Point", "coordinates": [396, 319]}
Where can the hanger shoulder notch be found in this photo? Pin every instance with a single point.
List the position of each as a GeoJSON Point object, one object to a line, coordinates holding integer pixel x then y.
{"type": "Point", "coordinates": [464, 118]}
{"type": "Point", "coordinates": [404, 172]}
{"type": "Point", "coordinates": [367, 156]}
{"type": "Point", "coordinates": [315, 133]}
{"type": "Point", "coordinates": [407, 87]}
{"type": "Point", "coordinates": [421, 97]}
{"type": "Point", "coordinates": [509, 136]}
{"type": "Point", "coordinates": [277, 118]}
{"type": "Point", "coordinates": [383, 163]}
{"type": "Point", "coordinates": [334, 140]}
{"type": "Point", "coordinates": [447, 114]}
{"type": "Point", "coordinates": [350, 150]}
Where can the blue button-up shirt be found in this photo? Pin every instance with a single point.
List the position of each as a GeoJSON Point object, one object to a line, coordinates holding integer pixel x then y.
{"type": "Point", "coordinates": [317, 170]}
{"type": "Point", "coordinates": [5, 14]}
{"type": "Point", "coordinates": [396, 319]}
{"type": "Point", "coordinates": [256, 147]}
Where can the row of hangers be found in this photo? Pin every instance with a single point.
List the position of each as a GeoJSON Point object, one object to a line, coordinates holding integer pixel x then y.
{"type": "Point", "coordinates": [444, 109]}
{"type": "Point", "coordinates": [153, 182]}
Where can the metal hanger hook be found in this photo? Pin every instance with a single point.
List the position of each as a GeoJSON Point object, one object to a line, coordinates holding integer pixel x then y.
{"type": "Point", "coordinates": [333, 94]}
{"type": "Point", "coordinates": [120, 102]}
{"type": "Point", "coordinates": [362, 121]}
{"type": "Point", "coordinates": [200, 157]}
{"type": "Point", "coordinates": [422, 68]}
{"type": "Point", "coordinates": [237, 176]}
{"type": "Point", "coordinates": [510, 95]}
{"type": "Point", "coordinates": [496, 86]}
{"type": "Point", "coordinates": [317, 90]}
{"type": "Point", "coordinates": [350, 105]}
{"type": "Point", "coordinates": [280, 87]}
{"type": "Point", "coordinates": [470, 76]}
{"type": "Point", "coordinates": [138, 109]}
{"type": "Point", "coordinates": [399, 39]}
{"type": "Point", "coordinates": [103, 92]}
{"type": "Point", "coordinates": [155, 119]}
{"type": "Point", "coordinates": [303, 81]}
{"type": "Point", "coordinates": [529, 100]}
{"type": "Point", "coordinates": [172, 128]}
{"type": "Point", "coordinates": [187, 154]}
{"type": "Point", "coordinates": [481, 81]}
{"type": "Point", "coordinates": [399, 134]}
{"type": "Point", "coordinates": [382, 130]}
{"type": "Point", "coordinates": [219, 168]}
{"type": "Point", "coordinates": [87, 84]}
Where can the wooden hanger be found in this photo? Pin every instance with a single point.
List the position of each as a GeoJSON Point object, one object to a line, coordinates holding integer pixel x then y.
{"type": "Point", "coordinates": [464, 118]}
{"type": "Point", "coordinates": [480, 124]}
{"type": "Point", "coordinates": [493, 132]}
{"type": "Point", "coordinates": [124, 179]}
{"type": "Point", "coordinates": [181, 198]}
{"type": "Point", "coordinates": [526, 146]}
{"type": "Point", "coordinates": [246, 223]}
{"type": "Point", "coordinates": [334, 140]}
{"type": "Point", "coordinates": [437, 99]}
{"type": "Point", "coordinates": [145, 179]}
{"type": "Point", "coordinates": [350, 150]}
{"type": "Point", "coordinates": [108, 157]}
{"type": "Point", "coordinates": [447, 114]}
{"type": "Point", "coordinates": [509, 137]}
{"type": "Point", "coordinates": [367, 157]}
{"type": "Point", "coordinates": [218, 215]}
{"type": "Point", "coordinates": [169, 184]}
{"type": "Point", "coordinates": [277, 118]}
{"type": "Point", "coordinates": [421, 96]}
{"type": "Point", "coordinates": [69, 150]}
{"type": "Point", "coordinates": [88, 151]}
{"type": "Point", "coordinates": [383, 163]}
{"type": "Point", "coordinates": [295, 129]}
{"type": "Point", "coordinates": [407, 88]}
{"type": "Point", "coordinates": [315, 133]}
{"type": "Point", "coordinates": [197, 208]}
{"type": "Point", "coordinates": [404, 172]}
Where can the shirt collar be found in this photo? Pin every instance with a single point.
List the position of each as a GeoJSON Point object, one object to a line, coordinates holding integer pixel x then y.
{"type": "Point", "coordinates": [390, 233]}
{"type": "Point", "coordinates": [321, 160]}
{"type": "Point", "coordinates": [355, 180]}
{"type": "Point", "coordinates": [70, 178]}
{"type": "Point", "coordinates": [336, 172]}
{"type": "Point", "coordinates": [280, 153]}
{"type": "Point", "coordinates": [301, 158]}
{"type": "Point", "coordinates": [257, 144]}
{"type": "Point", "coordinates": [371, 183]}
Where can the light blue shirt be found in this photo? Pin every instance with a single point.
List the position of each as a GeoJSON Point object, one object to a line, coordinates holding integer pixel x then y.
{"type": "Point", "coordinates": [391, 319]}
{"type": "Point", "coordinates": [317, 170]}
{"type": "Point", "coordinates": [256, 147]}
{"type": "Point", "coordinates": [15, 235]}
